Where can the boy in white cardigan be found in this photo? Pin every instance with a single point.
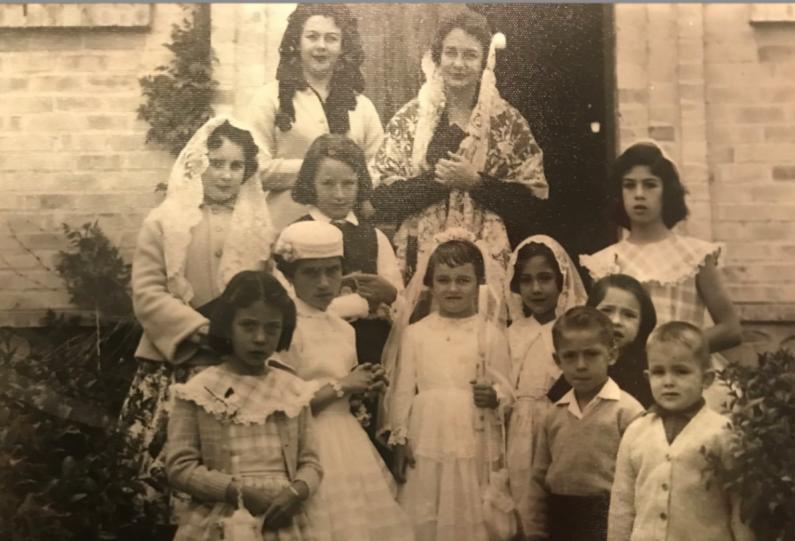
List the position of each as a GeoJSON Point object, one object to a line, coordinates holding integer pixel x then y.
{"type": "Point", "coordinates": [661, 489]}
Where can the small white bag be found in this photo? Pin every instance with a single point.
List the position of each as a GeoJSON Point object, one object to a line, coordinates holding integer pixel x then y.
{"type": "Point", "coordinates": [241, 525]}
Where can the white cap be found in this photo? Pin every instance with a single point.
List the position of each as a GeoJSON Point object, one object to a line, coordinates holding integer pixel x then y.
{"type": "Point", "coordinates": [309, 239]}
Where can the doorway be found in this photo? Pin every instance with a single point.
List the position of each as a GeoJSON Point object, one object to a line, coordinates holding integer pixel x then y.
{"type": "Point", "coordinates": [558, 71]}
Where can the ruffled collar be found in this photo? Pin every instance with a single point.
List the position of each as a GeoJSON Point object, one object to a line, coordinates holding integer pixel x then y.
{"type": "Point", "coordinates": [244, 399]}
{"type": "Point", "coordinates": [669, 261]}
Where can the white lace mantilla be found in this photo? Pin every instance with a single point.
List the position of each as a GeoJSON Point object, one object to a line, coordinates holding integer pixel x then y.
{"type": "Point", "coordinates": [250, 236]}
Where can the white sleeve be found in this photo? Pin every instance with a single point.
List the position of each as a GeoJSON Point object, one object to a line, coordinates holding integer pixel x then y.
{"type": "Point", "coordinates": [405, 389]}
{"type": "Point", "coordinates": [387, 264]}
{"type": "Point", "coordinates": [275, 173]}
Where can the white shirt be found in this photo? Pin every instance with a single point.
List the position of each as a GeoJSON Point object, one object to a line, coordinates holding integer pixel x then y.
{"type": "Point", "coordinates": [609, 391]}
{"type": "Point", "coordinates": [386, 262]}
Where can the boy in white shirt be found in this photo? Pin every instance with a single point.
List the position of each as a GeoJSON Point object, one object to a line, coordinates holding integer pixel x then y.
{"type": "Point", "coordinates": [577, 444]}
{"type": "Point", "coordinates": [662, 489]}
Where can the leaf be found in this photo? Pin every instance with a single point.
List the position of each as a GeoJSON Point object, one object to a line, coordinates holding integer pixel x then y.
{"type": "Point", "coordinates": [78, 497]}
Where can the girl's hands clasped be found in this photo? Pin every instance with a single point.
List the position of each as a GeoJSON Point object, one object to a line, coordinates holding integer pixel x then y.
{"type": "Point", "coordinates": [484, 394]}
{"type": "Point", "coordinates": [365, 378]}
{"type": "Point", "coordinates": [374, 289]}
{"type": "Point", "coordinates": [285, 505]}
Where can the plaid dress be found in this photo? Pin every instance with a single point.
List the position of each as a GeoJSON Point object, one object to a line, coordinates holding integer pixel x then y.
{"type": "Point", "coordinates": [225, 425]}
{"type": "Point", "coordinates": [667, 269]}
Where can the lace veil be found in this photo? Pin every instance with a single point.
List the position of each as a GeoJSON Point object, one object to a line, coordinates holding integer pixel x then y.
{"type": "Point", "coordinates": [571, 294]}
{"type": "Point", "coordinates": [250, 234]}
{"type": "Point", "coordinates": [417, 303]}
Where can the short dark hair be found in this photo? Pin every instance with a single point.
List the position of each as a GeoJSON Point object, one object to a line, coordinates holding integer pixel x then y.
{"type": "Point", "coordinates": [528, 251]}
{"type": "Point", "coordinates": [239, 137]}
{"type": "Point", "coordinates": [686, 334]}
{"type": "Point", "coordinates": [336, 147]}
{"type": "Point", "coordinates": [674, 208]}
{"type": "Point", "coordinates": [474, 24]}
{"type": "Point", "coordinates": [648, 315]}
{"type": "Point", "coordinates": [584, 318]}
{"type": "Point", "coordinates": [454, 253]}
{"type": "Point", "coordinates": [243, 290]}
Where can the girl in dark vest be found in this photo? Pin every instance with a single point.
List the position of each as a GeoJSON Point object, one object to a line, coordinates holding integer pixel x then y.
{"type": "Point", "coordinates": [334, 181]}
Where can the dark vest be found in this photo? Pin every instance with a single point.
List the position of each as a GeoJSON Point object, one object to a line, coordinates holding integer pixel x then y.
{"type": "Point", "coordinates": [360, 246]}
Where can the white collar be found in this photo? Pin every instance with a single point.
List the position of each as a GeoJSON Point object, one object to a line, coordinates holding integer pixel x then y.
{"type": "Point", "coordinates": [320, 216]}
{"type": "Point", "coordinates": [307, 310]}
{"type": "Point", "coordinates": [609, 391]}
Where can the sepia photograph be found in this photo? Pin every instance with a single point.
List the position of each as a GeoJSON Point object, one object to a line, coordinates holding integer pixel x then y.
{"type": "Point", "coordinates": [397, 271]}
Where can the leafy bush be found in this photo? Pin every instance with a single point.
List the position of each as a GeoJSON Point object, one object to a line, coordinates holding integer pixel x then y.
{"type": "Point", "coordinates": [62, 471]}
{"type": "Point", "coordinates": [178, 96]}
{"type": "Point", "coordinates": [763, 419]}
{"type": "Point", "coordinates": [96, 276]}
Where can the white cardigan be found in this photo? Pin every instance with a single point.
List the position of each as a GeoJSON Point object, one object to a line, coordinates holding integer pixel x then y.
{"type": "Point", "coordinates": [661, 490]}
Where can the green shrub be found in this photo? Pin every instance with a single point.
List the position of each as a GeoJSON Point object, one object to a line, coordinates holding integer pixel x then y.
{"type": "Point", "coordinates": [178, 96]}
{"type": "Point", "coordinates": [62, 471]}
{"type": "Point", "coordinates": [763, 420]}
{"type": "Point", "coordinates": [96, 276]}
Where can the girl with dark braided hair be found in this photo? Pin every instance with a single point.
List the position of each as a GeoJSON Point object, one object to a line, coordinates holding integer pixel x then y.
{"type": "Point", "coordinates": [318, 90]}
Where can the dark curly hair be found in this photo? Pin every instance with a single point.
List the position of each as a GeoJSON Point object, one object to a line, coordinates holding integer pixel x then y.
{"type": "Point", "coordinates": [347, 79]}
{"type": "Point", "coordinates": [239, 137]}
{"type": "Point", "coordinates": [454, 253]}
{"type": "Point", "coordinates": [474, 24]}
{"type": "Point", "coordinates": [244, 289]}
{"type": "Point", "coordinates": [674, 208]}
{"type": "Point", "coordinates": [337, 147]}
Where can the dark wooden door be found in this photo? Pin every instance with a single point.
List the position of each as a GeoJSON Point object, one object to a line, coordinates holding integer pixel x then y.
{"type": "Point", "coordinates": [557, 70]}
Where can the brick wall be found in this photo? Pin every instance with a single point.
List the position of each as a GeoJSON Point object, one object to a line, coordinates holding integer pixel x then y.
{"type": "Point", "coordinates": [715, 87]}
{"type": "Point", "coordinates": [245, 40]}
{"type": "Point", "coordinates": [71, 148]}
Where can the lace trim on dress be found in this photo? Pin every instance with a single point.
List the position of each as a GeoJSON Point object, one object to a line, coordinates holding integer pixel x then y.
{"type": "Point", "coordinates": [399, 436]}
{"type": "Point", "coordinates": [231, 397]}
{"type": "Point", "coordinates": [671, 261]}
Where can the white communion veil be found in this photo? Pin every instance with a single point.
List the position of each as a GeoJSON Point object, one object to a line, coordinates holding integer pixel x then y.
{"type": "Point", "coordinates": [417, 303]}
{"type": "Point", "coordinates": [250, 235]}
{"type": "Point", "coordinates": [572, 292]}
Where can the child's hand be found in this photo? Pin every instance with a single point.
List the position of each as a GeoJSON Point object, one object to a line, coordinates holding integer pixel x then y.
{"type": "Point", "coordinates": [255, 500]}
{"type": "Point", "coordinates": [380, 380]}
{"type": "Point", "coordinates": [402, 457]}
{"type": "Point", "coordinates": [375, 289]}
{"type": "Point", "coordinates": [358, 380]}
{"type": "Point", "coordinates": [284, 506]}
{"type": "Point", "coordinates": [200, 336]}
{"type": "Point", "coordinates": [484, 394]}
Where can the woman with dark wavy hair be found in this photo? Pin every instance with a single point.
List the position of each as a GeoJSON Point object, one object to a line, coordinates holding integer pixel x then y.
{"type": "Point", "coordinates": [318, 90]}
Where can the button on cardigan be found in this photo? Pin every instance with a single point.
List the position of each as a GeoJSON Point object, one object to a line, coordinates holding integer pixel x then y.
{"type": "Point", "coordinates": [664, 492]}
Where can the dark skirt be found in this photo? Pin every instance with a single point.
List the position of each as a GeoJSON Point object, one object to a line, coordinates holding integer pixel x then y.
{"type": "Point", "coordinates": [578, 518]}
{"type": "Point", "coordinates": [371, 335]}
